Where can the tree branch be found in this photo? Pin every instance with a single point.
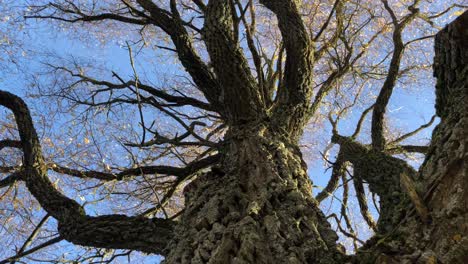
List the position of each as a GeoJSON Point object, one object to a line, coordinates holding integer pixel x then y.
{"type": "Point", "coordinates": [362, 200]}
{"type": "Point", "coordinates": [32, 250]}
{"type": "Point", "coordinates": [193, 64]}
{"type": "Point", "coordinates": [177, 100]}
{"type": "Point", "coordinates": [414, 132]}
{"type": "Point", "coordinates": [170, 24]}
{"type": "Point", "coordinates": [240, 93]}
{"type": "Point", "coordinates": [407, 148]}
{"type": "Point", "coordinates": [31, 237]}
{"type": "Point", "coordinates": [11, 179]}
{"type": "Point", "coordinates": [337, 172]}
{"type": "Point", "coordinates": [360, 121]}
{"type": "Point", "coordinates": [378, 137]}
{"type": "Point", "coordinates": [293, 98]}
{"type": "Point", "coordinates": [180, 172]}
{"type": "Point", "coordinates": [9, 143]}
{"type": "Point", "coordinates": [109, 231]}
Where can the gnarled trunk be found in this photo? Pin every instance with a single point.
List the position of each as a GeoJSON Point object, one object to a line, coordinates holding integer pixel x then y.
{"type": "Point", "coordinates": [256, 207]}
{"type": "Point", "coordinates": [444, 174]}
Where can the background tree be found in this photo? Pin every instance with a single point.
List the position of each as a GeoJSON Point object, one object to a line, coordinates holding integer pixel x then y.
{"type": "Point", "coordinates": [251, 87]}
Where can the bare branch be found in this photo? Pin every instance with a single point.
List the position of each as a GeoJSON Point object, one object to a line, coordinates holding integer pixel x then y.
{"type": "Point", "coordinates": [362, 200]}
{"type": "Point", "coordinates": [293, 97]}
{"type": "Point", "coordinates": [192, 63]}
{"type": "Point", "coordinates": [378, 137]}
{"type": "Point", "coordinates": [169, 23]}
{"type": "Point", "coordinates": [32, 250]}
{"type": "Point", "coordinates": [361, 120]}
{"type": "Point", "coordinates": [31, 237]}
{"type": "Point", "coordinates": [89, 18]}
{"type": "Point", "coordinates": [327, 22]}
{"type": "Point", "coordinates": [338, 170]}
{"type": "Point", "coordinates": [342, 230]}
{"type": "Point", "coordinates": [177, 100]}
{"type": "Point", "coordinates": [180, 172]}
{"type": "Point", "coordinates": [407, 148]}
{"type": "Point", "coordinates": [9, 143]}
{"type": "Point", "coordinates": [11, 179]}
{"type": "Point", "coordinates": [414, 132]}
{"type": "Point", "coordinates": [108, 231]}
{"type": "Point", "coordinates": [344, 208]}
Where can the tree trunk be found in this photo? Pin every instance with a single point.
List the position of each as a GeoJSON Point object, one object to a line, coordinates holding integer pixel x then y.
{"type": "Point", "coordinates": [444, 174]}
{"type": "Point", "coordinates": [255, 208]}
{"type": "Point", "coordinates": [256, 205]}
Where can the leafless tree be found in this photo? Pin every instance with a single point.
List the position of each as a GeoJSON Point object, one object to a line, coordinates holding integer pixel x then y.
{"type": "Point", "coordinates": [256, 76]}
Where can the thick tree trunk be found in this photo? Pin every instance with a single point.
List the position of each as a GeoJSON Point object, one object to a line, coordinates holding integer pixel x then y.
{"type": "Point", "coordinates": [444, 174]}
{"type": "Point", "coordinates": [255, 208]}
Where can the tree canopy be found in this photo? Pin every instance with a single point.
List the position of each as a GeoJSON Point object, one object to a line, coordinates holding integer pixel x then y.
{"type": "Point", "coordinates": [155, 92]}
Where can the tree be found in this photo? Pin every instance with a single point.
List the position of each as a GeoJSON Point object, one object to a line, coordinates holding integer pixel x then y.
{"type": "Point", "coordinates": [249, 97]}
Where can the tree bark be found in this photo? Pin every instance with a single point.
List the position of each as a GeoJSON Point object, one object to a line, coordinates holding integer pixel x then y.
{"type": "Point", "coordinates": [256, 205]}
{"type": "Point", "coordinates": [444, 174]}
{"type": "Point", "coordinates": [255, 208]}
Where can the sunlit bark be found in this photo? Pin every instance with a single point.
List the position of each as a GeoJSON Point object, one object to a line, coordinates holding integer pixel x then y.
{"type": "Point", "coordinates": [249, 197]}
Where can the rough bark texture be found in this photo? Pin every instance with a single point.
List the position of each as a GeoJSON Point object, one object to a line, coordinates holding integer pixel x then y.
{"type": "Point", "coordinates": [290, 112]}
{"type": "Point", "coordinates": [382, 173]}
{"type": "Point", "coordinates": [256, 208]}
{"type": "Point", "coordinates": [444, 174]}
{"type": "Point", "coordinates": [256, 205]}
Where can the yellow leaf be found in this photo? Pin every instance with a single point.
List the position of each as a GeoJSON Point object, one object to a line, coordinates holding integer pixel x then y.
{"type": "Point", "coordinates": [457, 13]}
{"type": "Point", "coordinates": [86, 140]}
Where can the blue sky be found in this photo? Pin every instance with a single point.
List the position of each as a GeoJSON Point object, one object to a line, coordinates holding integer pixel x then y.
{"type": "Point", "coordinates": [409, 107]}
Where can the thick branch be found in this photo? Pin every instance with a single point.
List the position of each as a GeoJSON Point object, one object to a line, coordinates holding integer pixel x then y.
{"type": "Point", "coordinates": [362, 200]}
{"type": "Point", "coordinates": [293, 99]}
{"type": "Point", "coordinates": [10, 179]}
{"type": "Point", "coordinates": [382, 172]}
{"type": "Point", "coordinates": [339, 168]}
{"type": "Point", "coordinates": [170, 24]}
{"type": "Point", "coordinates": [240, 94]}
{"type": "Point", "coordinates": [249, 35]}
{"type": "Point", "coordinates": [378, 137]}
{"type": "Point", "coordinates": [9, 143]}
{"type": "Point", "coordinates": [112, 231]}
{"type": "Point", "coordinates": [407, 148]}
{"type": "Point", "coordinates": [192, 63]}
{"type": "Point", "coordinates": [119, 232]}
